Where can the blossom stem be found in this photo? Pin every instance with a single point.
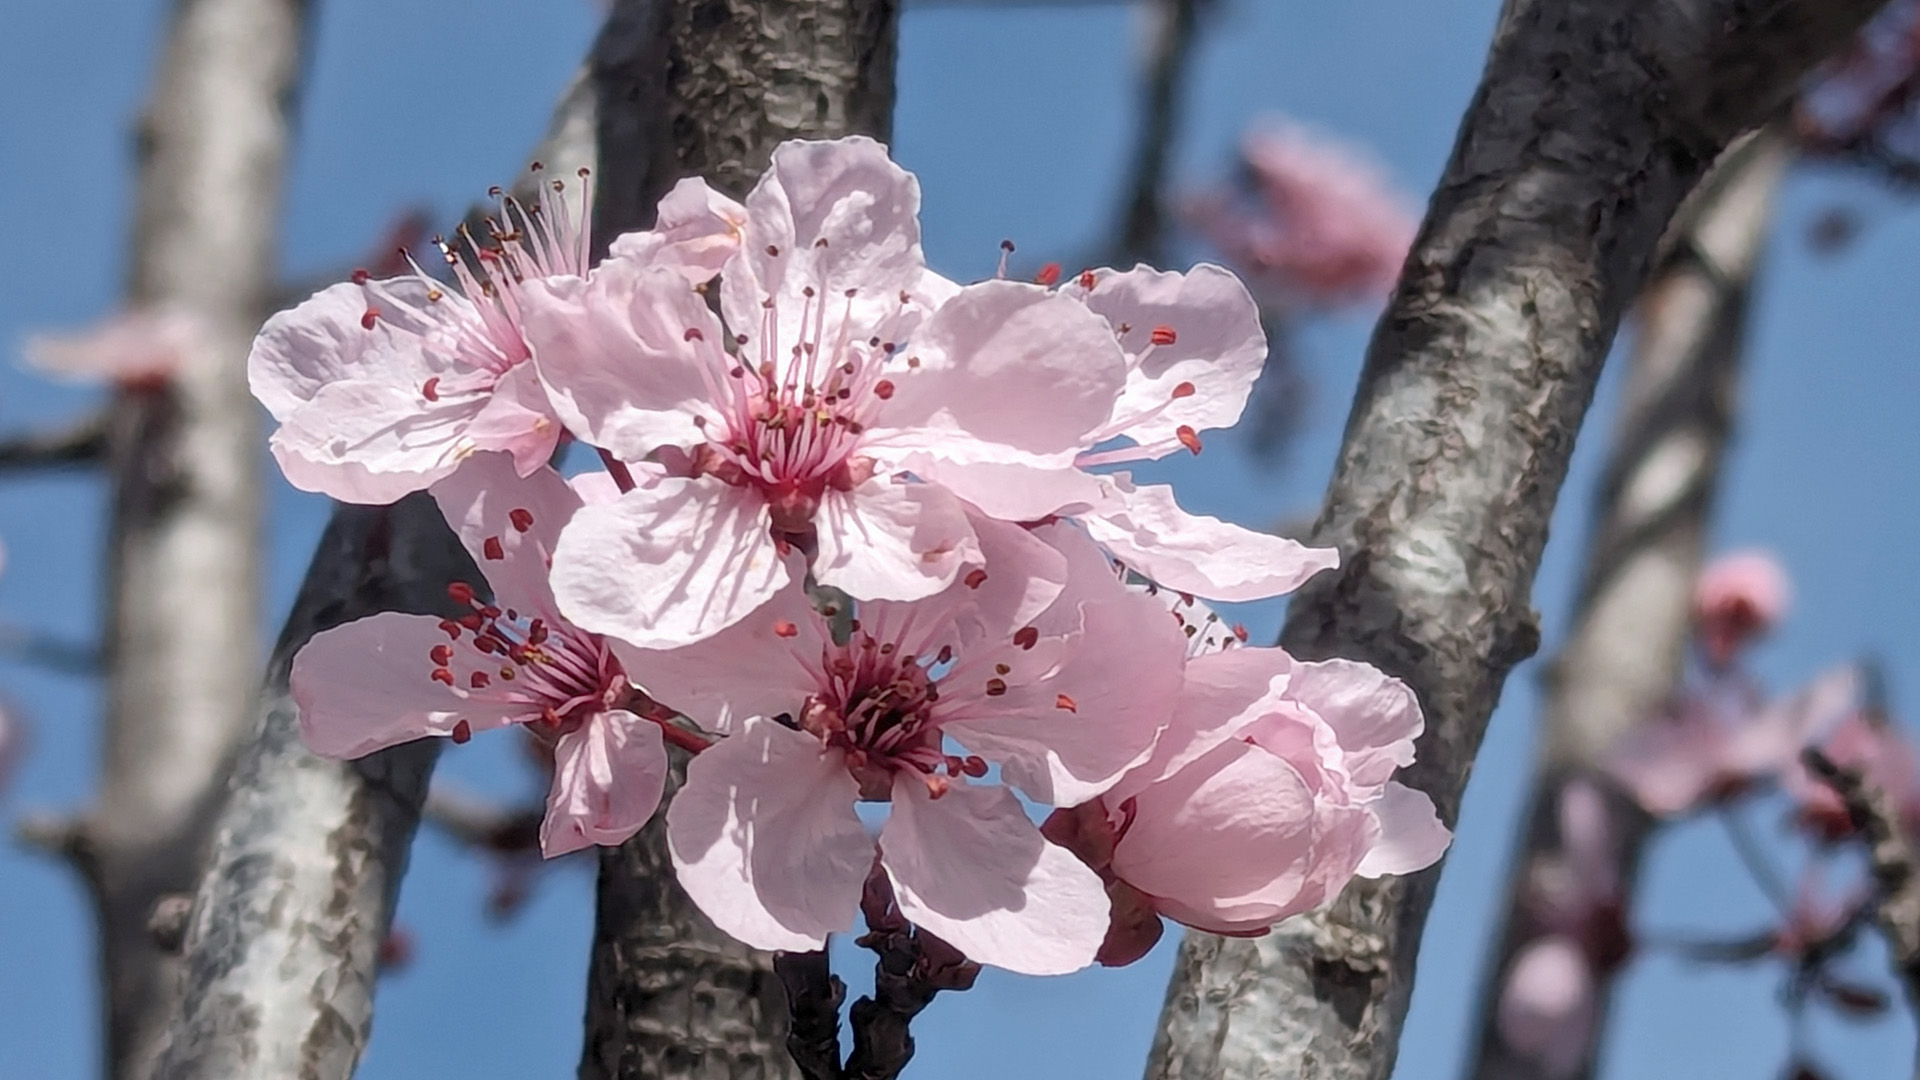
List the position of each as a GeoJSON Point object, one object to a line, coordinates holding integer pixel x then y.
{"type": "Point", "coordinates": [622, 476]}
{"type": "Point", "coordinates": [682, 738]}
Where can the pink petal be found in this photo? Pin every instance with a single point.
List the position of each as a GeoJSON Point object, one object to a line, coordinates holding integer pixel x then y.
{"type": "Point", "coordinates": [892, 540]}
{"type": "Point", "coordinates": [607, 780]}
{"type": "Point", "coordinates": [696, 231]}
{"type": "Point", "coordinates": [1197, 554]}
{"type": "Point", "coordinates": [1547, 1007]}
{"type": "Point", "coordinates": [368, 685]}
{"type": "Point", "coordinates": [1375, 716]}
{"type": "Point", "coordinates": [630, 356]}
{"type": "Point", "coordinates": [764, 665]}
{"type": "Point", "coordinates": [972, 869]}
{"type": "Point", "coordinates": [1411, 835]}
{"type": "Point", "coordinates": [129, 347]}
{"type": "Point", "coordinates": [518, 418]}
{"type": "Point", "coordinates": [1008, 373]}
{"type": "Point", "coordinates": [372, 442]}
{"type": "Point", "coordinates": [323, 341]}
{"type": "Point", "coordinates": [1199, 380]}
{"type": "Point", "coordinates": [1011, 492]}
{"type": "Point", "coordinates": [487, 503]}
{"type": "Point", "coordinates": [1021, 576]}
{"type": "Point", "coordinates": [765, 840]}
{"type": "Point", "coordinates": [829, 217]}
{"type": "Point", "coordinates": [1233, 828]}
{"type": "Point", "coordinates": [674, 561]}
{"type": "Point", "coordinates": [1220, 695]}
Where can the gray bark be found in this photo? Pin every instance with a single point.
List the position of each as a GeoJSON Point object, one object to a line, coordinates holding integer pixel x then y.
{"type": "Point", "coordinates": [1591, 125]}
{"type": "Point", "coordinates": [707, 88]}
{"type": "Point", "coordinates": [184, 532]}
{"type": "Point", "coordinates": [1627, 648]}
{"type": "Point", "coordinates": [282, 941]}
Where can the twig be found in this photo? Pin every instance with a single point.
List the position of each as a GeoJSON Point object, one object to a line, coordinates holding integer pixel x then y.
{"type": "Point", "coordinates": [82, 443]}
{"type": "Point", "coordinates": [814, 997]}
{"type": "Point", "coordinates": [913, 966]}
{"type": "Point", "coordinates": [1890, 852]}
{"type": "Point", "coordinates": [1169, 53]}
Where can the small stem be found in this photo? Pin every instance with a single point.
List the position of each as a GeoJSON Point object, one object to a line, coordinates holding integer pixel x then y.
{"type": "Point", "coordinates": [686, 740]}
{"type": "Point", "coordinates": [622, 476]}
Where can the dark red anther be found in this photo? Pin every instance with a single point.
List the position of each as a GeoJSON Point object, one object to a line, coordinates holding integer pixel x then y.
{"type": "Point", "coordinates": [883, 389]}
{"type": "Point", "coordinates": [441, 655]}
{"type": "Point", "coordinates": [1185, 389]}
{"type": "Point", "coordinates": [431, 389]}
{"type": "Point", "coordinates": [1026, 637]}
{"type": "Point", "coordinates": [489, 611]}
{"type": "Point", "coordinates": [1164, 335]}
{"type": "Point", "coordinates": [974, 766]}
{"type": "Point", "coordinates": [442, 675]}
{"type": "Point", "coordinates": [1001, 669]}
{"type": "Point", "coordinates": [522, 519]}
{"type": "Point", "coordinates": [976, 578]}
{"type": "Point", "coordinates": [462, 731]}
{"type": "Point", "coordinates": [772, 251]}
{"type": "Point", "coordinates": [693, 334]}
{"type": "Point", "coordinates": [367, 320]}
{"type": "Point", "coordinates": [1049, 274]}
{"type": "Point", "coordinates": [946, 655]}
{"type": "Point", "coordinates": [487, 643]}
{"type": "Point", "coordinates": [506, 673]}
{"type": "Point", "coordinates": [1086, 279]}
{"type": "Point", "coordinates": [537, 632]}
{"type": "Point", "coordinates": [785, 629]}
{"type": "Point", "coordinates": [478, 680]}
{"type": "Point", "coordinates": [492, 549]}
{"type": "Point", "coordinates": [1188, 438]}
{"type": "Point", "coordinates": [996, 687]}
{"type": "Point", "coordinates": [360, 276]}
{"type": "Point", "coordinates": [1006, 246]}
{"type": "Point", "coordinates": [460, 592]}
{"type": "Point", "coordinates": [472, 621]}
{"type": "Point", "coordinates": [1240, 631]}
{"type": "Point", "coordinates": [1062, 701]}
{"type": "Point", "coordinates": [452, 628]}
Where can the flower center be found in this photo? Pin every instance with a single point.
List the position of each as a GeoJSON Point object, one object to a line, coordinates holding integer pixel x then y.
{"type": "Point", "coordinates": [876, 705]}
{"type": "Point", "coordinates": [559, 674]}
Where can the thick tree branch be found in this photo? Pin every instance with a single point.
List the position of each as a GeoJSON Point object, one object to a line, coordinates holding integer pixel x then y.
{"type": "Point", "coordinates": [707, 88]}
{"type": "Point", "coordinates": [1592, 123]}
{"type": "Point", "coordinates": [1169, 53]}
{"type": "Point", "coordinates": [1628, 643]}
{"type": "Point", "coordinates": [283, 945]}
{"type": "Point", "coordinates": [184, 529]}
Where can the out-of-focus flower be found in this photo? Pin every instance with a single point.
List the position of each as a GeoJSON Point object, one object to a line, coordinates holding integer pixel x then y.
{"type": "Point", "coordinates": [1739, 598]}
{"type": "Point", "coordinates": [1267, 793]}
{"type": "Point", "coordinates": [137, 348]}
{"type": "Point", "coordinates": [1320, 226]}
{"type": "Point", "coordinates": [1719, 740]}
{"type": "Point", "coordinates": [1885, 761]}
{"type": "Point", "coordinates": [392, 678]}
{"type": "Point", "coordinates": [1548, 1004]}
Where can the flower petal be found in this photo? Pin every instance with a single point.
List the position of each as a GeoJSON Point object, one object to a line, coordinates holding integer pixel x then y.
{"type": "Point", "coordinates": [1411, 835]}
{"type": "Point", "coordinates": [764, 665]}
{"type": "Point", "coordinates": [509, 525]}
{"type": "Point", "coordinates": [892, 540]}
{"type": "Point", "coordinates": [696, 230]}
{"type": "Point", "coordinates": [607, 780]}
{"type": "Point", "coordinates": [372, 442]}
{"type": "Point", "coordinates": [971, 868]}
{"type": "Point", "coordinates": [1193, 553]}
{"type": "Point", "coordinates": [369, 685]}
{"type": "Point", "coordinates": [765, 840]}
{"type": "Point", "coordinates": [1374, 716]}
{"type": "Point", "coordinates": [674, 561]}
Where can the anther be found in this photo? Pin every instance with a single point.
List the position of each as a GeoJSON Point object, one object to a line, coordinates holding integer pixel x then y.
{"type": "Point", "coordinates": [996, 687]}
{"type": "Point", "coordinates": [478, 680]}
{"type": "Point", "coordinates": [367, 320]}
{"type": "Point", "coordinates": [1187, 437]}
{"type": "Point", "coordinates": [452, 628]}
{"type": "Point", "coordinates": [441, 655]}
{"type": "Point", "coordinates": [522, 519]}
{"type": "Point", "coordinates": [976, 578]}
{"type": "Point", "coordinates": [462, 731]}
{"type": "Point", "coordinates": [1184, 390]}
{"type": "Point", "coordinates": [1026, 637]}
{"type": "Point", "coordinates": [785, 629]}
{"type": "Point", "coordinates": [493, 549]}
{"type": "Point", "coordinates": [431, 389]}
{"type": "Point", "coordinates": [693, 334]}
{"type": "Point", "coordinates": [883, 389]}
{"type": "Point", "coordinates": [1086, 279]}
{"type": "Point", "coordinates": [1062, 701]}
{"type": "Point", "coordinates": [460, 592]}
{"type": "Point", "coordinates": [1164, 335]}
{"type": "Point", "coordinates": [1049, 274]}
{"type": "Point", "coordinates": [360, 276]}
{"type": "Point", "coordinates": [442, 675]}
{"type": "Point", "coordinates": [1002, 669]}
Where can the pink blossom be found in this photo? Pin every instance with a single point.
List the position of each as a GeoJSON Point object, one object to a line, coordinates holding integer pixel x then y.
{"type": "Point", "coordinates": [141, 347]}
{"type": "Point", "coordinates": [1548, 1005]}
{"type": "Point", "coordinates": [1719, 740]}
{"type": "Point", "coordinates": [1323, 227]}
{"type": "Point", "coordinates": [392, 678]}
{"type": "Point", "coordinates": [1041, 663]}
{"type": "Point", "coordinates": [1268, 792]}
{"type": "Point", "coordinates": [1739, 598]}
{"type": "Point", "coordinates": [853, 400]}
{"type": "Point", "coordinates": [382, 387]}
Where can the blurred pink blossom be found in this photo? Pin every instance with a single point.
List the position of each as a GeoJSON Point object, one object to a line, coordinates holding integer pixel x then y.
{"type": "Point", "coordinates": [1739, 598]}
{"type": "Point", "coordinates": [140, 347]}
{"type": "Point", "coordinates": [1322, 226]}
{"type": "Point", "coordinates": [1882, 756]}
{"type": "Point", "coordinates": [1719, 740]}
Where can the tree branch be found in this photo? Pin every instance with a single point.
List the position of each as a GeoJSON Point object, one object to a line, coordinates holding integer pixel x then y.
{"type": "Point", "coordinates": [707, 89]}
{"type": "Point", "coordinates": [297, 894]}
{"type": "Point", "coordinates": [1625, 653]}
{"type": "Point", "coordinates": [1592, 123]}
{"type": "Point", "coordinates": [1170, 45]}
{"type": "Point", "coordinates": [82, 443]}
{"type": "Point", "coordinates": [1896, 867]}
{"type": "Point", "coordinates": [184, 530]}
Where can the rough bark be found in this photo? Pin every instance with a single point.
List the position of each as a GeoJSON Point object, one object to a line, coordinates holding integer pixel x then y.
{"type": "Point", "coordinates": [282, 941]}
{"type": "Point", "coordinates": [1591, 124]}
{"type": "Point", "coordinates": [1627, 647]}
{"type": "Point", "coordinates": [183, 560]}
{"type": "Point", "coordinates": [709, 88]}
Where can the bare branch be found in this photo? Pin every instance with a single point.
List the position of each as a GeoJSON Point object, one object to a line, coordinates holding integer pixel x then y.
{"type": "Point", "coordinates": [814, 997]}
{"type": "Point", "coordinates": [707, 89]}
{"type": "Point", "coordinates": [1896, 867]}
{"type": "Point", "coordinates": [1592, 123]}
{"type": "Point", "coordinates": [1625, 652]}
{"type": "Point", "coordinates": [1170, 45]}
{"type": "Point", "coordinates": [78, 444]}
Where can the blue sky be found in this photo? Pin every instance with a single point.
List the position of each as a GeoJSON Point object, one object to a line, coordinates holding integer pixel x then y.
{"type": "Point", "coordinates": [1016, 122]}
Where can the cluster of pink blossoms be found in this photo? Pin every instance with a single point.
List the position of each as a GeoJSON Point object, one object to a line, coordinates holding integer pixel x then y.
{"type": "Point", "coordinates": [856, 540]}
